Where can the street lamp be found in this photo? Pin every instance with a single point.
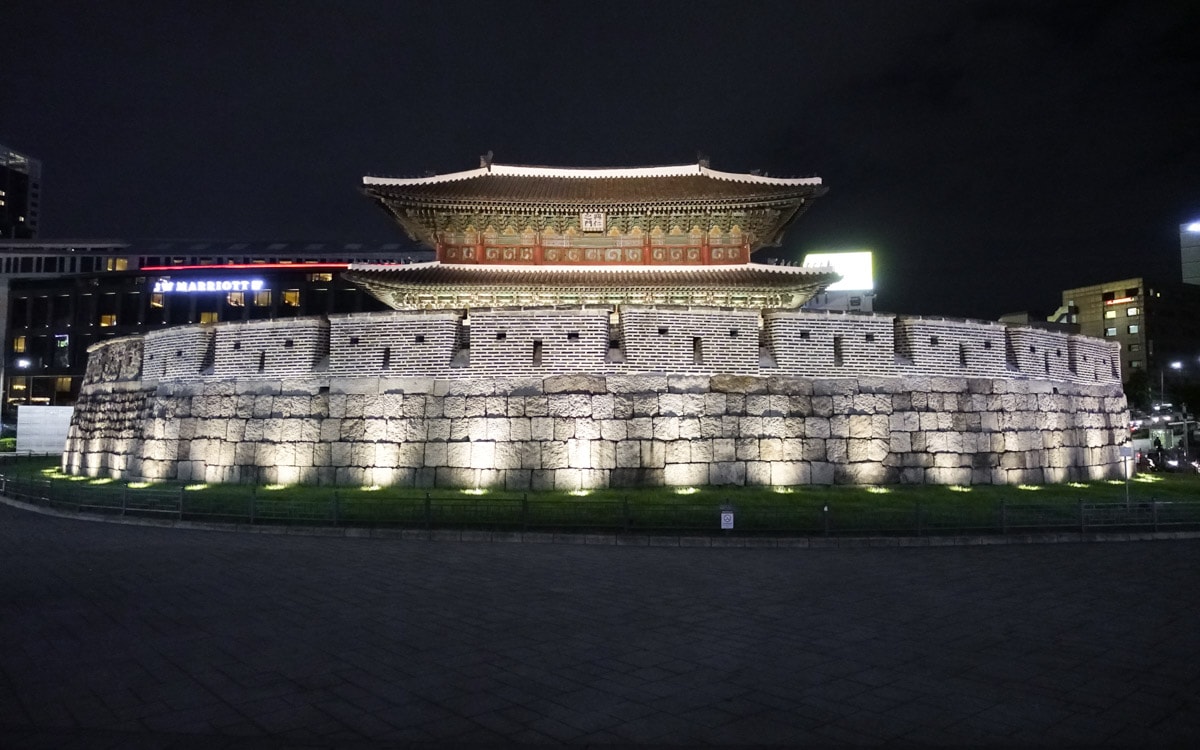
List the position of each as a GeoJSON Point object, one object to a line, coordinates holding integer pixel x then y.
{"type": "Point", "coordinates": [1162, 381]}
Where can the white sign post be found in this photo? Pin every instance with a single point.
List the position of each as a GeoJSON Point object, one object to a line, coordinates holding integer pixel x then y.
{"type": "Point", "coordinates": [1126, 457]}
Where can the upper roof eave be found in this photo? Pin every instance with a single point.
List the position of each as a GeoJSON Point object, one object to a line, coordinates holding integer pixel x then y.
{"type": "Point", "coordinates": [508, 170]}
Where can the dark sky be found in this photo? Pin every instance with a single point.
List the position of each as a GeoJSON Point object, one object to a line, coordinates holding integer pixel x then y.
{"type": "Point", "coordinates": [991, 153]}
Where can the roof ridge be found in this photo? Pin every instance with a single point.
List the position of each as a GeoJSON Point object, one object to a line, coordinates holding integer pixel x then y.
{"type": "Point", "coordinates": [592, 173]}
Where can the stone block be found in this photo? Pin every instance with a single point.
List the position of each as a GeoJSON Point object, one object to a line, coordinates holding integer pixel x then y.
{"type": "Point", "coordinates": [790, 473]}
{"type": "Point", "coordinates": [678, 451]}
{"type": "Point", "coordinates": [790, 386]}
{"type": "Point", "coordinates": [714, 404]}
{"type": "Point", "coordinates": [688, 383]}
{"type": "Point", "coordinates": [836, 450]}
{"type": "Point", "coordinates": [613, 429]}
{"type": "Point", "coordinates": [518, 479]}
{"type": "Point", "coordinates": [653, 454]}
{"type": "Point", "coordinates": [738, 384]}
{"type": "Point", "coordinates": [640, 428]}
{"type": "Point", "coordinates": [718, 473]}
{"type": "Point", "coordinates": [574, 383]}
{"type": "Point", "coordinates": [603, 455]}
{"type": "Point", "coordinates": [564, 428]}
{"type": "Point", "coordinates": [566, 480]}
{"type": "Point", "coordinates": [587, 429]}
{"type": "Point", "coordinates": [541, 480]}
{"type": "Point", "coordinates": [602, 406]}
{"type": "Point", "coordinates": [758, 473]}
{"type": "Point", "coordinates": [637, 383]}
{"type": "Point", "coordinates": [570, 405]}
{"type": "Point", "coordinates": [666, 428]}
{"type": "Point", "coordinates": [554, 455]}
{"type": "Point", "coordinates": [628, 454]}
{"type": "Point", "coordinates": [541, 428]}
{"type": "Point", "coordinates": [536, 406]}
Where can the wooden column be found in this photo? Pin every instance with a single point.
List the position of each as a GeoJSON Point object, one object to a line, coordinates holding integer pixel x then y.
{"type": "Point", "coordinates": [539, 253]}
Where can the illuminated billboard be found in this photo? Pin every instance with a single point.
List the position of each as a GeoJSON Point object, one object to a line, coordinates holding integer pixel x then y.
{"type": "Point", "coordinates": [208, 285]}
{"type": "Point", "coordinates": [855, 268]}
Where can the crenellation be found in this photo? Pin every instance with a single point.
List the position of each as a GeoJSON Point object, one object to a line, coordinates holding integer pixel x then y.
{"type": "Point", "coordinates": [984, 403]}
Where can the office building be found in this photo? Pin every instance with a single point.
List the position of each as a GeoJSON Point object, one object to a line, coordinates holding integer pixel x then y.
{"type": "Point", "coordinates": [1189, 251]}
{"type": "Point", "coordinates": [20, 194]}
{"type": "Point", "coordinates": [59, 298]}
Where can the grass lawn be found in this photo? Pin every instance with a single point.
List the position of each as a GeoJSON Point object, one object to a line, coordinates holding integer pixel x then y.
{"type": "Point", "coordinates": [811, 509]}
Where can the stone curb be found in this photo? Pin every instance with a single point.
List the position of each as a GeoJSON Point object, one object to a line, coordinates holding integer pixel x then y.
{"type": "Point", "coordinates": [622, 540]}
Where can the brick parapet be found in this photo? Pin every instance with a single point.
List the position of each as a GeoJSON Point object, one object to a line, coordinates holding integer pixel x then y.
{"type": "Point", "coordinates": [544, 342]}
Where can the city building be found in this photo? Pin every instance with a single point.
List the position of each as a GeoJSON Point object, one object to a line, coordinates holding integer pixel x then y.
{"type": "Point", "coordinates": [20, 194]}
{"type": "Point", "coordinates": [1189, 251]}
{"type": "Point", "coordinates": [588, 328]}
{"type": "Point", "coordinates": [58, 298]}
{"type": "Point", "coordinates": [1154, 323]}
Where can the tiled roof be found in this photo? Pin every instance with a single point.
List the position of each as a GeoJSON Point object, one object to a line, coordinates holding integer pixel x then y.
{"type": "Point", "coordinates": [751, 275]}
{"type": "Point", "coordinates": [504, 184]}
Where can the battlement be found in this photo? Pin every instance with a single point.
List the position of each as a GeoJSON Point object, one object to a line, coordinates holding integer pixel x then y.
{"type": "Point", "coordinates": [549, 341]}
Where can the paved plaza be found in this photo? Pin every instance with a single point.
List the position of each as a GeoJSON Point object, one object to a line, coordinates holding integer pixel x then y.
{"type": "Point", "coordinates": [136, 636]}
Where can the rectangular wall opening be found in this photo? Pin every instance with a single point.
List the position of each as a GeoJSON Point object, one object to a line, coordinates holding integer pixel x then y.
{"type": "Point", "coordinates": [838, 359]}
{"type": "Point", "coordinates": [537, 352]}
{"type": "Point", "coordinates": [387, 357]}
{"type": "Point", "coordinates": [697, 351]}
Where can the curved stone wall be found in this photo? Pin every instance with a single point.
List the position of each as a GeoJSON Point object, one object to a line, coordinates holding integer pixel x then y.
{"type": "Point", "coordinates": [581, 398]}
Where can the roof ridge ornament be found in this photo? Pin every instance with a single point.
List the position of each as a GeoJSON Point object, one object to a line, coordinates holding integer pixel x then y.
{"type": "Point", "coordinates": [485, 161]}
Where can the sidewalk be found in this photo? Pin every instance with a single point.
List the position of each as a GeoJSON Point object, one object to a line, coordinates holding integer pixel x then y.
{"type": "Point", "coordinates": [123, 635]}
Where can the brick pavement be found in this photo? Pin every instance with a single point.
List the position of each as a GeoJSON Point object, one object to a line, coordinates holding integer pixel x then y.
{"type": "Point", "coordinates": [133, 636]}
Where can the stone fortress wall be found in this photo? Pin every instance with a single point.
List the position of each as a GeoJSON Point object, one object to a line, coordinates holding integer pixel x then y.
{"type": "Point", "coordinates": [591, 397]}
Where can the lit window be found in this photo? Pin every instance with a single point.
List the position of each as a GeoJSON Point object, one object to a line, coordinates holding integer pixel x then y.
{"type": "Point", "coordinates": [291, 297]}
{"type": "Point", "coordinates": [208, 317]}
{"type": "Point", "coordinates": [19, 344]}
{"type": "Point", "coordinates": [1134, 329]}
{"type": "Point", "coordinates": [1110, 331]}
{"type": "Point", "coordinates": [262, 298]}
{"type": "Point", "coordinates": [108, 321]}
{"type": "Point", "coordinates": [1134, 364]}
{"type": "Point", "coordinates": [156, 299]}
{"type": "Point", "coordinates": [62, 385]}
{"type": "Point", "coordinates": [236, 299]}
{"type": "Point", "coordinates": [320, 277]}
{"type": "Point", "coordinates": [116, 264]}
{"type": "Point", "coordinates": [1131, 311]}
{"type": "Point", "coordinates": [18, 383]}
{"type": "Point", "coordinates": [1110, 314]}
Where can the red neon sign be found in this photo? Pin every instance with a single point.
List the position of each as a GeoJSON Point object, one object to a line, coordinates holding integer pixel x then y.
{"type": "Point", "coordinates": [247, 266]}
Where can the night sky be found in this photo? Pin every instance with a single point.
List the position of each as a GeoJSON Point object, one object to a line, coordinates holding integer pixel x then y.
{"type": "Point", "coordinates": [991, 153]}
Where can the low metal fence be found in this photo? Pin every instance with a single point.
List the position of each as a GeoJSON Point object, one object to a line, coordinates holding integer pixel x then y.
{"type": "Point", "coordinates": [526, 512]}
